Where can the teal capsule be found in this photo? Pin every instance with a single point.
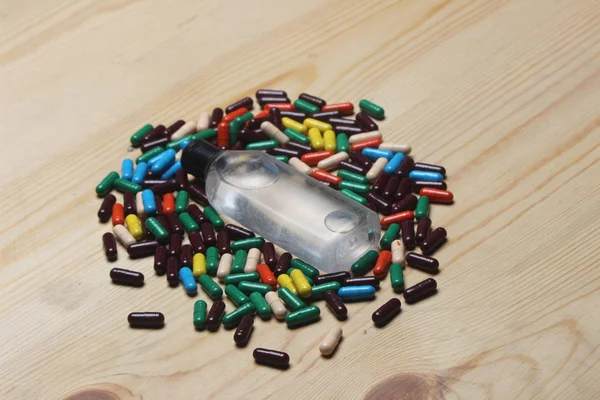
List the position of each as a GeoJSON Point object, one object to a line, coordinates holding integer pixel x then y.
{"type": "Point", "coordinates": [306, 268]}
{"type": "Point", "coordinates": [233, 318]}
{"type": "Point", "coordinates": [235, 295]}
{"type": "Point", "coordinates": [200, 308]}
{"type": "Point", "coordinates": [318, 291]}
{"type": "Point", "coordinates": [155, 151]}
{"type": "Point", "coordinates": [239, 261]}
{"type": "Point", "coordinates": [213, 217]}
{"type": "Point", "coordinates": [236, 278]}
{"type": "Point", "coordinates": [212, 288]}
{"type": "Point", "coordinates": [308, 278]}
{"type": "Point", "coordinates": [372, 109]}
{"type": "Point", "coordinates": [262, 145]}
{"type": "Point", "coordinates": [389, 236]}
{"type": "Point", "coordinates": [126, 186]}
{"type": "Point", "coordinates": [188, 281]}
{"type": "Point", "coordinates": [262, 307]}
{"type": "Point", "coordinates": [422, 209]}
{"type": "Point", "coordinates": [354, 196]}
{"type": "Point", "coordinates": [283, 159]}
{"type": "Point", "coordinates": [181, 201]}
{"type": "Point", "coordinates": [309, 108]}
{"type": "Point", "coordinates": [247, 244]}
{"type": "Point", "coordinates": [212, 261]}
{"type": "Point", "coordinates": [354, 186]}
{"type": "Point", "coordinates": [156, 228]}
{"type": "Point", "coordinates": [136, 138]}
{"type": "Point", "coordinates": [352, 176]}
{"type": "Point", "coordinates": [341, 143]}
{"type": "Point", "coordinates": [290, 299]}
{"type": "Point", "coordinates": [397, 277]}
{"type": "Point", "coordinates": [107, 184]}
{"type": "Point", "coordinates": [188, 222]}
{"type": "Point", "coordinates": [303, 316]}
{"type": "Point", "coordinates": [296, 136]}
{"type": "Point", "coordinates": [249, 287]}
{"type": "Point", "coordinates": [365, 263]}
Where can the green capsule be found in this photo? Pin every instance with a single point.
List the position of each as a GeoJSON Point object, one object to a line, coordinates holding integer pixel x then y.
{"type": "Point", "coordinates": [318, 291]}
{"type": "Point", "coordinates": [302, 317]}
{"type": "Point", "coordinates": [188, 222]}
{"type": "Point", "coordinates": [296, 136]}
{"type": "Point", "coordinates": [283, 159]}
{"type": "Point", "coordinates": [159, 231]}
{"type": "Point", "coordinates": [262, 307]}
{"type": "Point", "coordinates": [176, 144]}
{"type": "Point", "coordinates": [365, 263]}
{"type": "Point", "coordinates": [262, 145]}
{"type": "Point", "coordinates": [290, 299]}
{"type": "Point", "coordinates": [251, 287]}
{"type": "Point", "coordinates": [136, 138]}
{"type": "Point", "coordinates": [213, 217]}
{"type": "Point", "coordinates": [235, 295]}
{"type": "Point", "coordinates": [354, 186]}
{"type": "Point", "coordinates": [247, 244]}
{"type": "Point", "coordinates": [211, 287]}
{"type": "Point", "coordinates": [308, 278]}
{"type": "Point", "coordinates": [372, 109]}
{"type": "Point", "coordinates": [352, 176]}
{"type": "Point", "coordinates": [153, 152]}
{"type": "Point", "coordinates": [397, 277]}
{"type": "Point", "coordinates": [200, 314]}
{"type": "Point", "coordinates": [306, 268]}
{"type": "Point", "coordinates": [126, 186]}
{"type": "Point", "coordinates": [389, 236]}
{"type": "Point", "coordinates": [354, 196]}
{"type": "Point", "coordinates": [302, 105]}
{"type": "Point", "coordinates": [422, 209]}
{"type": "Point", "coordinates": [239, 262]}
{"type": "Point", "coordinates": [212, 261]}
{"type": "Point", "coordinates": [106, 184]}
{"type": "Point", "coordinates": [236, 279]}
{"type": "Point", "coordinates": [234, 129]}
{"type": "Point", "coordinates": [242, 119]}
{"type": "Point", "coordinates": [208, 134]}
{"type": "Point", "coordinates": [233, 318]}
{"type": "Point", "coordinates": [341, 143]}
{"type": "Point", "coordinates": [181, 201]}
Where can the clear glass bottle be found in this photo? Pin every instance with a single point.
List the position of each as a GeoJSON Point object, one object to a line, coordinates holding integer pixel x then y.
{"type": "Point", "coordinates": [296, 212]}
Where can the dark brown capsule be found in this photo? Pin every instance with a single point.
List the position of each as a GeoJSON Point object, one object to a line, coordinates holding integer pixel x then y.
{"type": "Point", "coordinates": [173, 271]}
{"type": "Point", "coordinates": [159, 131]}
{"type": "Point", "coordinates": [423, 227]}
{"type": "Point", "coordinates": [269, 255]}
{"type": "Point", "coordinates": [418, 185]}
{"type": "Point", "coordinates": [299, 147]}
{"type": "Point", "coordinates": [406, 166]}
{"type": "Point", "coordinates": [383, 206]}
{"type": "Point", "coordinates": [295, 115]}
{"type": "Point", "coordinates": [347, 129]}
{"type": "Point", "coordinates": [150, 183]}
{"type": "Point", "coordinates": [167, 186]}
{"type": "Point", "coordinates": [280, 151]}
{"type": "Point", "coordinates": [255, 123]}
{"type": "Point", "coordinates": [406, 204]}
{"type": "Point", "coordinates": [216, 312]}
{"type": "Point", "coordinates": [350, 166]}
{"type": "Point", "coordinates": [175, 245]}
{"type": "Point", "coordinates": [208, 234]}
{"type": "Point", "coordinates": [270, 93]}
{"type": "Point", "coordinates": [196, 214]}
{"type": "Point", "coordinates": [336, 305]}
{"type": "Point", "coordinates": [420, 291]}
{"type": "Point", "coordinates": [408, 234]}
{"type": "Point", "coordinates": [175, 224]}
{"type": "Point", "coordinates": [223, 242]}
{"type": "Point", "coordinates": [142, 249]}
{"type": "Point", "coordinates": [126, 277]}
{"type": "Point", "coordinates": [181, 179]}
{"type": "Point", "coordinates": [371, 206]}
{"type": "Point", "coordinates": [380, 182]}
{"type": "Point", "coordinates": [244, 330]}
{"type": "Point", "coordinates": [361, 281]}
{"type": "Point", "coordinates": [196, 241]}
{"type": "Point", "coordinates": [317, 101]}
{"type": "Point", "coordinates": [430, 168]}
{"type": "Point", "coordinates": [332, 277]}
{"type": "Point", "coordinates": [129, 203]}
{"type": "Point", "coordinates": [158, 202]}
{"type": "Point", "coordinates": [384, 314]}
{"type": "Point", "coordinates": [105, 210]}
{"type": "Point", "coordinates": [423, 263]}
{"type": "Point", "coordinates": [198, 194]}
{"type": "Point", "coordinates": [283, 264]}
{"type": "Point", "coordinates": [245, 102]}
{"type": "Point", "coordinates": [110, 246]}
{"type": "Point", "coordinates": [272, 358]}
{"type": "Point", "coordinates": [252, 135]}
{"type": "Point", "coordinates": [366, 123]}
{"type": "Point", "coordinates": [237, 232]}
{"type": "Point", "coordinates": [160, 260]}
{"type": "Point", "coordinates": [216, 117]}
{"type": "Point", "coordinates": [272, 100]}
{"type": "Point", "coordinates": [148, 320]}
{"type": "Point", "coordinates": [404, 189]}
{"type": "Point", "coordinates": [342, 121]}
{"type": "Point", "coordinates": [162, 219]}
{"type": "Point", "coordinates": [326, 115]}
{"type": "Point", "coordinates": [358, 158]}
{"type": "Point", "coordinates": [186, 256]}
{"type": "Point", "coordinates": [275, 117]}
{"type": "Point", "coordinates": [434, 241]}
{"type": "Point", "coordinates": [174, 127]}
{"type": "Point", "coordinates": [161, 141]}
{"type": "Point", "coordinates": [391, 186]}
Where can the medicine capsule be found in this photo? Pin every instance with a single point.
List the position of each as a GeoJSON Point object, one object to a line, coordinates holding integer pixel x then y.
{"type": "Point", "coordinates": [404, 189]}
{"type": "Point", "coordinates": [236, 279]}
{"type": "Point", "coordinates": [305, 106]}
{"type": "Point", "coordinates": [188, 128]}
{"type": "Point", "coordinates": [263, 310]}
{"type": "Point", "coordinates": [423, 227]}
{"type": "Point", "coordinates": [290, 299]}
{"type": "Point", "coordinates": [363, 137]}
{"type": "Point", "coordinates": [198, 265]}
{"type": "Point", "coordinates": [433, 241]}
{"type": "Point", "coordinates": [212, 289]}
{"type": "Point", "coordinates": [397, 277]}
{"type": "Point", "coordinates": [224, 268]}
{"type": "Point", "coordinates": [382, 265]}
{"type": "Point", "coordinates": [336, 305]}
{"type": "Point", "coordinates": [106, 185]}
{"type": "Point", "coordinates": [105, 210]}
{"type": "Point", "coordinates": [421, 290]}
{"type": "Point", "coordinates": [406, 204]}
{"type": "Point", "coordinates": [243, 331]}
{"type": "Point", "coordinates": [203, 121]}
{"type": "Point", "coordinates": [163, 162]}
{"type": "Point", "coordinates": [316, 139]}
{"type": "Point", "coordinates": [215, 314]}
{"type": "Point", "coordinates": [212, 260]}
{"type": "Point", "coordinates": [277, 306]}
{"type": "Point", "coordinates": [296, 136]}
{"type": "Point", "coordinates": [269, 255]}
{"type": "Point", "coordinates": [423, 263]}
{"type": "Point", "coordinates": [213, 217]}
{"type": "Point", "coordinates": [384, 314]}
{"type": "Point", "coordinates": [168, 203]}
{"type": "Point", "coordinates": [123, 235]}
{"type": "Point", "coordinates": [110, 246]}
{"type": "Point", "coordinates": [408, 234]}
{"type": "Point", "coordinates": [266, 275]}
{"type": "Point", "coordinates": [284, 280]}
{"type": "Point", "coordinates": [374, 143]}
{"type": "Point", "coordinates": [223, 244]}
{"type": "Point", "coordinates": [395, 218]}
{"type": "Point", "coordinates": [357, 293]}
{"type": "Point", "coordinates": [349, 176]}
{"type": "Point", "coordinates": [306, 268]}
{"type": "Point", "coordinates": [302, 317]}
{"type": "Point", "coordinates": [149, 320]}
{"type": "Point", "coordinates": [375, 154]}
{"type": "Point", "coordinates": [247, 244]}
{"type": "Point", "coordinates": [237, 232]}
{"type": "Point", "coordinates": [358, 158]}
{"type": "Point", "coordinates": [330, 341]}
{"type": "Point", "coordinates": [223, 134]}
{"type": "Point", "coordinates": [350, 194]}
{"type": "Point", "coordinates": [396, 148]}
{"type": "Point", "coordinates": [139, 205]}
{"type": "Point", "coordinates": [354, 187]}
{"type": "Point", "coordinates": [252, 260]}
{"type": "Point", "coordinates": [365, 263]}
{"type": "Point", "coordinates": [173, 271]}
{"type": "Point", "coordinates": [233, 318]}
{"type": "Point", "coordinates": [142, 249]}
{"type": "Point", "coordinates": [274, 133]}
{"type": "Point", "coordinates": [346, 108]}
{"type": "Point", "coordinates": [200, 308]}
{"type": "Point", "coordinates": [394, 164]}
{"type": "Point", "coordinates": [289, 123]}
{"type": "Point", "coordinates": [272, 358]}
{"type": "Point", "coordinates": [362, 281]}
{"type": "Point", "coordinates": [186, 255]}
{"type": "Point", "coordinates": [118, 214]}
{"type": "Point", "coordinates": [422, 209]}
{"type": "Point", "coordinates": [372, 109]}
{"type": "Point", "coordinates": [318, 291]}
{"type": "Point", "coordinates": [150, 154]}
{"type": "Point", "coordinates": [134, 226]}
{"type": "Point", "coordinates": [289, 273]}
{"type": "Point", "coordinates": [188, 281]}
{"type": "Point", "coordinates": [329, 140]}
{"type": "Point", "coordinates": [331, 277]}
{"type": "Point", "coordinates": [235, 295]}
{"type": "Point", "coordinates": [239, 262]}
{"type": "Point", "coordinates": [181, 202]}
{"type": "Point", "coordinates": [127, 277]}
{"type": "Point", "coordinates": [196, 241]}
{"type": "Point", "coordinates": [376, 169]}
{"type": "Point", "coordinates": [333, 161]}
{"type": "Point", "coordinates": [437, 195]}
{"type": "Point", "coordinates": [302, 286]}
{"type": "Point", "coordinates": [390, 235]}
{"type": "Point", "coordinates": [425, 176]}
{"type": "Point", "coordinates": [249, 287]}
{"type": "Point", "coordinates": [208, 234]}
{"type": "Point", "coordinates": [148, 201]}
{"type": "Point", "coordinates": [157, 230]}
{"type": "Point", "coordinates": [398, 251]}
{"type": "Point", "coordinates": [188, 222]}
{"type": "Point", "coordinates": [418, 185]}
{"type": "Point", "coordinates": [325, 176]}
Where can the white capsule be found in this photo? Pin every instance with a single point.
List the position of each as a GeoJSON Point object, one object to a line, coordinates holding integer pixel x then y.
{"type": "Point", "coordinates": [178, 155]}
{"type": "Point", "coordinates": [363, 137]}
{"type": "Point", "coordinates": [123, 235]}
{"type": "Point", "coordinates": [398, 256]}
{"type": "Point", "coordinates": [376, 169]}
{"type": "Point", "coordinates": [139, 205]}
{"type": "Point", "coordinates": [299, 165]}
{"type": "Point", "coordinates": [188, 128]}
{"type": "Point", "coordinates": [203, 121]}
{"type": "Point", "coordinates": [330, 341]}
{"type": "Point", "coordinates": [273, 132]}
{"type": "Point", "coordinates": [252, 260]}
{"type": "Point", "coordinates": [277, 306]}
{"type": "Point", "coordinates": [396, 148]}
{"type": "Point", "coordinates": [224, 267]}
{"type": "Point", "coordinates": [333, 161]}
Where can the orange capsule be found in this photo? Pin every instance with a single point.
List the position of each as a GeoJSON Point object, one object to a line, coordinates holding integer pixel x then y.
{"type": "Point", "coordinates": [325, 176]}
{"type": "Point", "coordinates": [266, 275]}
{"type": "Point", "coordinates": [118, 214]}
{"type": "Point", "coordinates": [168, 203]}
{"type": "Point", "coordinates": [223, 134]}
{"type": "Point", "coordinates": [313, 158]}
{"type": "Point", "coordinates": [344, 108]}
{"type": "Point", "coordinates": [367, 143]}
{"type": "Point", "coordinates": [234, 114]}
{"type": "Point", "coordinates": [262, 114]}
{"type": "Point", "coordinates": [382, 265]}
{"type": "Point", "coordinates": [281, 106]}
{"type": "Point", "coordinates": [399, 217]}
{"type": "Point", "coordinates": [437, 195]}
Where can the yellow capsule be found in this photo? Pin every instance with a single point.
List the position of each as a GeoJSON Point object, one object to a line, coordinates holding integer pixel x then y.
{"type": "Point", "coordinates": [134, 226]}
{"type": "Point", "coordinates": [316, 139]}
{"type": "Point", "coordinates": [198, 265]}
{"type": "Point", "coordinates": [315, 123]}
{"type": "Point", "coordinates": [302, 286]}
{"type": "Point", "coordinates": [329, 139]}
{"type": "Point", "coordinates": [293, 124]}
{"type": "Point", "coordinates": [285, 281]}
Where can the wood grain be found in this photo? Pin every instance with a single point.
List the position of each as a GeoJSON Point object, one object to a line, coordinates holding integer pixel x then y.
{"type": "Point", "coordinates": [504, 93]}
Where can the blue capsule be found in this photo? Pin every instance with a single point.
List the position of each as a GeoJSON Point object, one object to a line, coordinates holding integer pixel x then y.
{"type": "Point", "coordinates": [183, 144]}
{"type": "Point", "coordinates": [127, 169]}
{"type": "Point", "coordinates": [394, 164]}
{"type": "Point", "coordinates": [187, 279]}
{"type": "Point", "coordinates": [365, 292]}
{"type": "Point", "coordinates": [168, 174]}
{"type": "Point", "coordinates": [140, 173]}
{"type": "Point", "coordinates": [426, 176]}
{"type": "Point", "coordinates": [374, 154]}
{"type": "Point", "coordinates": [155, 159]}
{"type": "Point", "coordinates": [167, 158]}
{"type": "Point", "coordinates": [149, 202]}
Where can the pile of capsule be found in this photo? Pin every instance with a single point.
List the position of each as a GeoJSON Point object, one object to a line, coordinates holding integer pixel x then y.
{"type": "Point", "coordinates": [316, 139]}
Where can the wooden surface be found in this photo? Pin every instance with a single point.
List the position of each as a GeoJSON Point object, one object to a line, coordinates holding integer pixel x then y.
{"type": "Point", "coordinates": [505, 94]}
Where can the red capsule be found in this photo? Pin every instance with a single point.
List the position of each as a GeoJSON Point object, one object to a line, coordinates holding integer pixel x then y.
{"type": "Point", "coordinates": [367, 143]}
{"type": "Point", "coordinates": [223, 134]}
{"type": "Point", "coordinates": [118, 214]}
{"type": "Point", "coordinates": [402, 216]}
{"type": "Point", "coordinates": [382, 265]}
{"type": "Point", "coordinates": [325, 176]}
{"type": "Point", "coordinates": [234, 114]}
{"type": "Point", "coordinates": [437, 195]}
{"type": "Point", "coordinates": [266, 275]}
{"type": "Point", "coordinates": [168, 203]}
{"type": "Point", "coordinates": [281, 106]}
{"type": "Point", "coordinates": [312, 159]}
{"type": "Point", "coordinates": [344, 108]}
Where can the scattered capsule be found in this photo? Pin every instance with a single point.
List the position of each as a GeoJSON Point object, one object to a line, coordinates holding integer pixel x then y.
{"type": "Point", "coordinates": [212, 289]}
{"type": "Point", "coordinates": [313, 158]}
{"type": "Point", "coordinates": [408, 234]}
{"type": "Point", "coordinates": [139, 204]}
{"type": "Point", "coordinates": [316, 139]}
{"type": "Point", "coordinates": [397, 277]}
{"type": "Point", "coordinates": [188, 223]}
{"type": "Point", "coordinates": [266, 275]}
{"type": "Point", "coordinates": [106, 185]}
{"type": "Point", "coordinates": [200, 308]}
{"type": "Point", "coordinates": [123, 235]}
{"type": "Point", "coordinates": [274, 133]}
{"type": "Point", "coordinates": [233, 318]}
{"type": "Point", "coordinates": [160, 260]}
{"type": "Point", "coordinates": [236, 279]}
{"type": "Point", "coordinates": [336, 305]}
{"type": "Point", "coordinates": [148, 320]}
{"type": "Point", "coordinates": [224, 268]}
{"type": "Point", "coordinates": [333, 161]}
{"type": "Point", "coordinates": [384, 314]}
{"type": "Point", "coordinates": [243, 331]}
{"type": "Point", "coordinates": [118, 214]}
{"type": "Point", "coordinates": [394, 164]}
{"type": "Point", "coordinates": [284, 280]}
{"type": "Point", "coordinates": [382, 264]}
{"type": "Point", "coordinates": [290, 299]}
{"type": "Point", "coordinates": [203, 121]}
{"type": "Point", "coordinates": [252, 260]}
{"type": "Point", "coordinates": [277, 306]}
{"type": "Point", "coordinates": [247, 244]}
{"type": "Point", "coordinates": [376, 169]}
{"type": "Point", "coordinates": [303, 316]}
{"type": "Point", "coordinates": [127, 277]}
{"type": "Point", "coordinates": [263, 310]}
{"type": "Point", "coordinates": [215, 315]}
{"type": "Point", "coordinates": [236, 296]}
{"type": "Point", "coordinates": [390, 235]}
{"type": "Point", "coordinates": [395, 218]}
{"type": "Point", "coordinates": [350, 194]}
{"type": "Point", "coordinates": [344, 108]}
{"type": "Point", "coordinates": [398, 252]}
{"type": "Point", "coordinates": [329, 140]}
{"type": "Point", "coordinates": [198, 265]}
{"type": "Point", "coordinates": [421, 290]}
{"type": "Point", "coordinates": [433, 241]}
{"type": "Point", "coordinates": [127, 169]}
{"type": "Point", "coordinates": [239, 262]}
{"type": "Point", "coordinates": [425, 176]}
{"type": "Point", "coordinates": [357, 293]}
{"type": "Point", "coordinates": [374, 143]}
{"type": "Point", "coordinates": [422, 209]}
{"type": "Point", "coordinates": [306, 268]}
{"type": "Point", "coordinates": [396, 148]}
{"type": "Point", "coordinates": [365, 263]}
{"type": "Point", "coordinates": [362, 281]}
{"type": "Point", "coordinates": [437, 195]}
{"type": "Point", "coordinates": [110, 246]}
{"type": "Point", "coordinates": [330, 341]}
{"type": "Point", "coordinates": [272, 358]}
{"type": "Point", "coordinates": [423, 263]}
{"type": "Point", "coordinates": [362, 137]}
{"type": "Point", "coordinates": [134, 226]}
{"type": "Point", "coordinates": [302, 286]}
{"type": "Point", "coordinates": [187, 279]}
{"type": "Point", "coordinates": [157, 230]}
{"type": "Point", "coordinates": [372, 109]}
{"type": "Point", "coordinates": [212, 260]}
{"type": "Point", "coordinates": [318, 291]}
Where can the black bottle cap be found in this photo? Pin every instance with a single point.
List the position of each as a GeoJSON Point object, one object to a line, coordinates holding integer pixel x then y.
{"type": "Point", "coordinates": [197, 157]}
